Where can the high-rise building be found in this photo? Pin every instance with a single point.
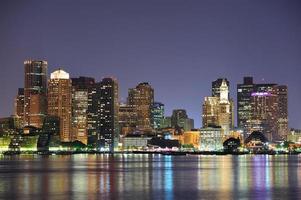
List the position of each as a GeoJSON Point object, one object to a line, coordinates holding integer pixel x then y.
{"type": "Point", "coordinates": [179, 118]}
{"type": "Point", "coordinates": [80, 98]}
{"type": "Point", "coordinates": [19, 106]}
{"type": "Point", "coordinates": [264, 111]}
{"type": "Point", "coordinates": [93, 113]}
{"type": "Point", "coordinates": [221, 89]}
{"type": "Point", "coordinates": [218, 109]}
{"type": "Point", "coordinates": [51, 126]}
{"type": "Point", "coordinates": [109, 106]}
{"type": "Point", "coordinates": [216, 87]}
{"type": "Point", "coordinates": [210, 111]}
{"type": "Point", "coordinates": [35, 92]}
{"type": "Point", "coordinates": [244, 108]}
{"type": "Point", "coordinates": [60, 101]}
{"type": "Point", "coordinates": [166, 122]}
{"type": "Point", "coordinates": [178, 114]}
{"type": "Point", "coordinates": [282, 94]}
{"type": "Point", "coordinates": [157, 113]}
{"type": "Point", "coordinates": [127, 119]}
{"type": "Point", "coordinates": [225, 113]}
{"type": "Point", "coordinates": [142, 98]}
{"type": "Point", "coordinates": [262, 107]}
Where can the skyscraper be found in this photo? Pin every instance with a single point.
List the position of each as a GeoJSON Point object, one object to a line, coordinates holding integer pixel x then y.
{"type": "Point", "coordinates": [244, 108]}
{"type": "Point", "coordinates": [218, 109]}
{"type": "Point", "coordinates": [262, 107]}
{"type": "Point", "coordinates": [59, 102]}
{"type": "Point", "coordinates": [179, 118]}
{"type": "Point", "coordinates": [223, 85]}
{"type": "Point", "coordinates": [109, 105]}
{"type": "Point", "coordinates": [265, 110]}
{"type": "Point", "coordinates": [127, 119]}
{"type": "Point", "coordinates": [178, 114]}
{"type": "Point", "coordinates": [282, 94]}
{"type": "Point", "coordinates": [80, 98]}
{"type": "Point", "coordinates": [142, 98]}
{"type": "Point", "coordinates": [35, 92]}
{"type": "Point", "coordinates": [210, 112]}
{"type": "Point", "coordinates": [19, 106]}
{"type": "Point", "coordinates": [216, 87]}
{"type": "Point", "coordinates": [93, 113]}
{"type": "Point", "coordinates": [225, 114]}
{"type": "Point", "coordinates": [157, 112]}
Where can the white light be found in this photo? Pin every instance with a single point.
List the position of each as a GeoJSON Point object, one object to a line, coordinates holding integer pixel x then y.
{"type": "Point", "coordinates": [59, 74]}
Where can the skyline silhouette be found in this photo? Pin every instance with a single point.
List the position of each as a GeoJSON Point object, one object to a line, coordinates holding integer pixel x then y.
{"type": "Point", "coordinates": [178, 47]}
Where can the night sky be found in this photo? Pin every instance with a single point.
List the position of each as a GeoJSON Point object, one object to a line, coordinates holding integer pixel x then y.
{"type": "Point", "coordinates": [179, 47]}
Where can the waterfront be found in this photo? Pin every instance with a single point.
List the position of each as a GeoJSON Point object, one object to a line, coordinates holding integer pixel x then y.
{"type": "Point", "coordinates": [127, 176]}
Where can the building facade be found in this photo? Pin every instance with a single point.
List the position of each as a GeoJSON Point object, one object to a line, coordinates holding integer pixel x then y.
{"type": "Point", "coordinates": [35, 92]}
{"type": "Point", "coordinates": [244, 108]}
{"type": "Point", "coordinates": [283, 129]}
{"type": "Point", "coordinates": [108, 136]}
{"type": "Point", "coordinates": [210, 111]}
{"type": "Point", "coordinates": [157, 113]}
{"type": "Point", "coordinates": [19, 106]}
{"type": "Point", "coordinates": [142, 98]}
{"type": "Point", "coordinates": [211, 139]}
{"type": "Point", "coordinates": [218, 109]}
{"type": "Point", "coordinates": [60, 102]}
{"type": "Point", "coordinates": [127, 119]}
{"type": "Point", "coordinates": [180, 119]}
{"type": "Point", "coordinates": [265, 111]}
{"type": "Point", "coordinates": [263, 107]}
{"type": "Point", "coordinates": [80, 102]}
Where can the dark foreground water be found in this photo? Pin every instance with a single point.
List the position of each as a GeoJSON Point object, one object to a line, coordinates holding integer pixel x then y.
{"type": "Point", "coordinates": [150, 177]}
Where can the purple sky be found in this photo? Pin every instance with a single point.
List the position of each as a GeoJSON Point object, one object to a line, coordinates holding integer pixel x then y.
{"type": "Point", "coordinates": [177, 46]}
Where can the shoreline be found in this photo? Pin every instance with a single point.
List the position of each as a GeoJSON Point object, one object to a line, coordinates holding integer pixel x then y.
{"type": "Point", "coordinates": [167, 153]}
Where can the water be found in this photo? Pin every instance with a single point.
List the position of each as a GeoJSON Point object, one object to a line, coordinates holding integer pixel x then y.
{"type": "Point", "coordinates": [150, 177]}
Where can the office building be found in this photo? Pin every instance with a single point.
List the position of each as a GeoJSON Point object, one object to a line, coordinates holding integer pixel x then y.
{"type": "Point", "coordinates": [221, 89]}
{"type": "Point", "coordinates": [35, 92]}
{"type": "Point", "coordinates": [51, 125]}
{"type": "Point", "coordinates": [108, 136]}
{"type": "Point", "coordinates": [210, 111]}
{"type": "Point", "coordinates": [127, 119]}
{"type": "Point", "coordinates": [282, 94]}
{"type": "Point", "coordinates": [80, 100]}
{"type": "Point", "coordinates": [19, 106]}
{"type": "Point", "coordinates": [60, 101]}
{"type": "Point", "coordinates": [93, 114]}
{"type": "Point", "coordinates": [244, 108]}
{"type": "Point", "coordinates": [157, 113]}
{"type": "Point", "coordinates": [179, 119]}
{"type": "Point", "coordinates": [142, 98]}
{"type": "Point", "coordinates": [166, 122]}
{"type": "Point", "coordinates": [263, 107]}
{"type": "Point", "coordinates": [211, 138]}
{"type": "Point", "coordinates": [264, 104]}
{"type": "Point", "coordinates": [216, 87]}
{"type": "Point", "coordinates": [218, 109]}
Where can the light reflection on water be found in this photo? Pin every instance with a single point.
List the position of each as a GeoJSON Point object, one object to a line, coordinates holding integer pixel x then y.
{"type": "Point", "coordinates": [150, 177]}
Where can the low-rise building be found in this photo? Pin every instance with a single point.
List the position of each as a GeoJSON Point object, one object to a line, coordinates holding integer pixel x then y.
{"type": "Point", "coordinates": [191, 138]}
{"type": "Point", "coordinates": [135, 141]}
{"type": "Point", "coordinates": [211, 139]}
{"type": "Point", "coordinates": [294, 136]}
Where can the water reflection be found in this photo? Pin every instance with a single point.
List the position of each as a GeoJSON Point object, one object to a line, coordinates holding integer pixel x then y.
{"type": "Point", "coordinates": [150, 177]}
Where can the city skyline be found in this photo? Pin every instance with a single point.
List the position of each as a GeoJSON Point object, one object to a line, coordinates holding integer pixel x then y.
{"type": "Point", "coordinates": [168, 58]}
{"type": "Point", "coordinates": [123, 100]}
{"type": "Point", "coordinates": [160, 99]}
